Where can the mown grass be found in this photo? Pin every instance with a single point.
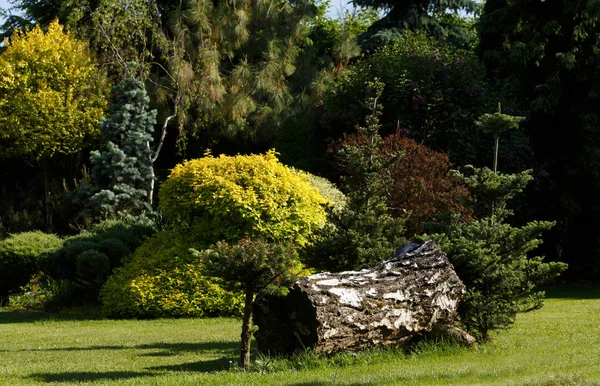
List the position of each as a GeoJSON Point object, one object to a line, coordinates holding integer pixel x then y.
{"type": "Point", "coordinates": [556, 345]}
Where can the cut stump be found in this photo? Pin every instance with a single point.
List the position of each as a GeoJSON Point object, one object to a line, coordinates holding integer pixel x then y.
{"type": "Point", "coordinates": [415, 293]}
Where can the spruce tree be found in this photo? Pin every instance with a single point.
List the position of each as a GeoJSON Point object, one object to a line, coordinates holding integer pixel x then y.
{"type": "Point", "coordinates": [363, 233]}
{"type": "Point", "coordinates": [122, 173]}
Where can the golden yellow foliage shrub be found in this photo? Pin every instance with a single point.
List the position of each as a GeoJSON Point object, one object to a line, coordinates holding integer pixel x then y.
{"type": "Point", "coordinates": [227, 198]}
{"type": "Point", "coordinates": [51, 94]}
{"type": "Point", "coordinates": [164, 279]}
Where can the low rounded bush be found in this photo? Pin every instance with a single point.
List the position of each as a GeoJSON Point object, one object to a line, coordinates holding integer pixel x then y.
{"type": "Point", "coordinates": [337, 199]}
{"type": "Point", "coordinates": [227, 198]}
{"type": "Point", "coordinates": [93, 266]}
{"type": "Point", "coordinates": [131, 235]}
{"type": "Point", "coordinates": [62, 262]}
{"type": "Point", "coordinates": [85, 261]}
{"type": "Point", "coordinates": [114, 249]}
{"type": "Point", "coordinates": [19, 255]}
{"type": "Point", "coordinates": [164, 279]}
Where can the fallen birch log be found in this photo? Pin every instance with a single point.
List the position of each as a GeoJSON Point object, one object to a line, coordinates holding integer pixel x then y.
{"type": "Point", "coordinates": [415, 293]}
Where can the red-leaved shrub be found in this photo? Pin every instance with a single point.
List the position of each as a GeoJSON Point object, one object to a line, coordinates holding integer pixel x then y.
{"type": "Point", "coordinates": [423, 184]}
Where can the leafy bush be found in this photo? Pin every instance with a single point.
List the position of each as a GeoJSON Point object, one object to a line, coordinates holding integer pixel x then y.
{"type": "Point", "coordinates": [227, 198]}
{"type": "Point", "coordinates": [433, 94]}
{"type": "Point", "coordinates": [337, 199]}
{"type": "Point", "coordinates": [164, 279]}
{"type": "Point", "coordinates": [255, 267]}
{"type": "Point", "coordinates": [85, 261]}
{"type": "Point", "coordinates": [423, 185]}
{"type": "Point", "coordinates": [19, 255]}
{"type": "Point", "coordinates": [93, 266]}
{"type": "Point", "coordinates": [34, 295]}
{"type": "Point", "coordinates": [501, 279]}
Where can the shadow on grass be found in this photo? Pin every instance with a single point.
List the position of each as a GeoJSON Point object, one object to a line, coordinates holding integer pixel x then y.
{"type": "Point", "coordinates": [573, 292]}
{"type": "Point", "coordinates": [159, 349]}
{"type": "Point", "coordinates": [199, 367]}
{"type": "Point", "coordinates": [87, 376]}
{"type": "Point", "coordinates": [7, 317]}
{"type": "Point", "coordinates": [329, 383]}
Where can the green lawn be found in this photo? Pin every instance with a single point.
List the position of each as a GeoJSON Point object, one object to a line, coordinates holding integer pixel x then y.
{"type": "Point", "coordinates": [557, 345]}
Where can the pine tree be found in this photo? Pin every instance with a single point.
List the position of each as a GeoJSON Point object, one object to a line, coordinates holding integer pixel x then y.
{"type": "Point", "coordinates": [122, 174]}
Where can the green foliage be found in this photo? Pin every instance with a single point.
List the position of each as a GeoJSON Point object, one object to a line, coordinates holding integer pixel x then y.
{"type": "Point", "coordinates": [52, 95]}
{"type": "Point", "coordinates": [227, 198]}
{"type": "Point", "coordinates": [491, 192]}
{"type": "Point", "coordinates": [93, 266]}
{"type": "Point", "coordinates": [122, 173]}
{"type": "Point", "coordinates": [19, 255]}
{"type": "Point", "coordinates": [548, 51]}
{"type": "Point", "coordinates": [229, 67]}
{"type": "Point", "coordinates": [164, 279]}
{"type": "Point", "coordinates": [254, 267]}
{"type": "Point", "coordinates": [34, 295]}
{"type": "Point", "coordinates": [111, 27]}
{"type": "Point", "coordinates": [497, 124]}
{"type": "Point", "coordinates": [491, 257]}
{"type": "Point", "coordinates": [442, 19]}
{"type": "Point", "coordinates": [363, 233]}
{"type": "Point", "coordinates": [433, 94]}
{"type": "Point", "coordinates": [337, 199]}
{"type": "Point", "coordinates": [81, 266]}
{"type": "Point", "coordinates": [334, 39]}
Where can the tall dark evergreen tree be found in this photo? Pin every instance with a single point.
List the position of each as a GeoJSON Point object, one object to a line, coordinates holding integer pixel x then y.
{"type": "Point", "coordinates": [547, 51]}
{"type": "Point", "coordinates": [442, 19]}
{"type": "Point", "coordinates": [122, 174]}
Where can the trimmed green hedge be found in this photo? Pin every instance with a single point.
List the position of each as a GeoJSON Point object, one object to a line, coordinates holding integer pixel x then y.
{"type": "Point", "coordinates": [19, 255]}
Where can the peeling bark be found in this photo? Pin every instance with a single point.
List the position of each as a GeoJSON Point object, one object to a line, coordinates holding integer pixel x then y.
{"type": "Point", "coordinates": [413, 294]}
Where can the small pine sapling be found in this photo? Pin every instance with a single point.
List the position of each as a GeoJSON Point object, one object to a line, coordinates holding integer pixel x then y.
{"type": "Point", "coordinates": [255, 267]}
{"type": "Point", "coordinates": [363, 233]}
{"type": "Point", "coordinates": [497, 124]}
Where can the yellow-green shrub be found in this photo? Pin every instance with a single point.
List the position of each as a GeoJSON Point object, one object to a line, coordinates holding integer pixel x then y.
{"type": "Point", "coordinates": [226, 198]}
{"type": "Point", "coordinates": [164, 279]}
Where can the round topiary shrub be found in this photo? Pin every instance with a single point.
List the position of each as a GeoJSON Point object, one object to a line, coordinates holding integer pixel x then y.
{"type": "Point", "coordinates": [164, 279]}
{"type": "Point", "coordinates": [227, 198]}
{"type": "Point", "coordinates": [19, 255]}
{"type": "Point", "coordinates": [93, 266]}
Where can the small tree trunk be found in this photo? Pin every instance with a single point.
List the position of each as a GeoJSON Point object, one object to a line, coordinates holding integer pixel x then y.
{"type": "Point", "coordinates": [47, 200]}
{"type": "Point", "coordinates": [155, 154]}
{"type": "Point", "coordinates": [246, 336]}
{"type": "Point", "coordinates": [496, 145]}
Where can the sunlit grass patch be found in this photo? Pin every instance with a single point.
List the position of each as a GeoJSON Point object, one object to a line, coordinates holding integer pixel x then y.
{"type": "Point", "coordinates": [556, 345]}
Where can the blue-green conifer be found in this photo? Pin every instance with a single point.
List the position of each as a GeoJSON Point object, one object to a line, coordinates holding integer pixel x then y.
{"type": "Point", "coordinates": [122, 173]}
